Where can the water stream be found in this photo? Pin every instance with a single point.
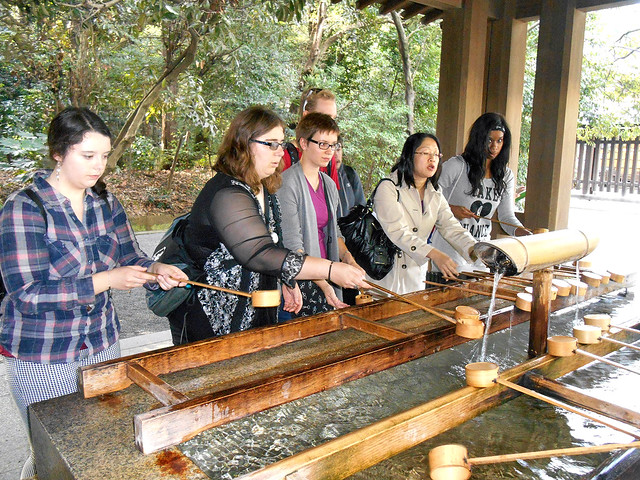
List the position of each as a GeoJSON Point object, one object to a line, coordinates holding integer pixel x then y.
{"type": "Point", "coordinates": [496, 280]}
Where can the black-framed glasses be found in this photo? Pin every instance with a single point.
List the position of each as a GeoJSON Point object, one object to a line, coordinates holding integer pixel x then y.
{"type": "Point", "coordinates": [272, 145]}
{"type": "Point", "coordinates": [430, 154]}
{"type": "Point", "coordinates": [325, 146]}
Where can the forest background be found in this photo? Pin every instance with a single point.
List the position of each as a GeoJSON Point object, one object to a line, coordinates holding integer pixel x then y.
{"type": "Point", "coordinates": [168, 76]}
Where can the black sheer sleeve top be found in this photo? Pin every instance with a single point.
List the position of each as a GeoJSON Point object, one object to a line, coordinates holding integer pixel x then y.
{"type": "Point", "coordinates": [227, 212]}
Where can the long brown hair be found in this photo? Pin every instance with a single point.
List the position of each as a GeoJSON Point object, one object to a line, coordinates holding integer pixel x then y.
{"type": "Point", "coordinates": [234, 154]}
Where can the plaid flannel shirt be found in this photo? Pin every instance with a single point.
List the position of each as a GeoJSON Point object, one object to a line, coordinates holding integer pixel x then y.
{"type": "Point", "coordinates": [51, 311]}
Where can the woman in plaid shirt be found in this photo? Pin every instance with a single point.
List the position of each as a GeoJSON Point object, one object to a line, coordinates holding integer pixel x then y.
{"type": "Point", "coordinates": [59, 261]}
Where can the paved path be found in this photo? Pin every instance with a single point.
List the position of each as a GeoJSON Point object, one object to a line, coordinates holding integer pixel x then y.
{"type": "Point", "coordinates": [617, 223]}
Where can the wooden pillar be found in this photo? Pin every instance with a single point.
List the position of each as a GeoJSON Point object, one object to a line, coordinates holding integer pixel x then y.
{"type": "Point", "coordinates": [505, 76]}
{"type": "Point", "coordinates": [462, 73]}
{"type": "Point", "coordinates": [555, 114]}
{"type": "Point", "coordinates": [540, 309]}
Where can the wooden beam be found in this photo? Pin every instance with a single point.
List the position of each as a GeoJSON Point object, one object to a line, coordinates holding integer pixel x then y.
{"type": "Point", "coordinates": [367, 446]}
{"type": "Point", "coordinates": [505, 75]}
{"type": "Point", "coordinates": [540, 309]}
{"type": "Point", "coordinates": [391, 5]}
{"type": "Point", "coordinates": [462, 73]}
{"type": "Point", "coordinates": [349, 320]}
{"type": "Point", "coordinates": [530, 9]}
{"type": "Point", "coordinates": [568, 395]}
{"type": "Point", "coordinates": [362, 4]}
{"type": "Point", "coordinates": [150, 383]}
{"type": "Point", "coordinates": [414, 9]}
{"type": "Point", "coordinates": [555, 114]}
{"type": "Point", "coordinates": [442, 4]}
{"type": "Point", "coordinates": [432, 16]}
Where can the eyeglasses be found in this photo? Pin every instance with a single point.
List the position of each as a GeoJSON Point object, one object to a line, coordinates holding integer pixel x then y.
{"type": "Point", "coordinates": [430, 155]}
{"type": "Point", "coordinates": [272, 145]}
{"type": "Point", "coordinates": [325, 146]}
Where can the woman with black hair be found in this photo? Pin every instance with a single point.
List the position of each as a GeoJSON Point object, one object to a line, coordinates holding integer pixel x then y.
{"type": "Point", "coordinates": [408, 207]}
{"type": "Point", "coordinates": [479, 182]}
{"type": "Point", "coordinates": [66, 242]}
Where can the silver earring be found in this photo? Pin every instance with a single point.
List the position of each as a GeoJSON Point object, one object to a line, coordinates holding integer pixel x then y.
{"type": "Point", "coordinates": [58, 172]}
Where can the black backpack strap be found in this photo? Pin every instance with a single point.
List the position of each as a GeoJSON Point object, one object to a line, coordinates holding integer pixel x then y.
{"type": "Point", "coordinates": [293, 152]}
{"type": "Point", "coordinates": [36, 198]}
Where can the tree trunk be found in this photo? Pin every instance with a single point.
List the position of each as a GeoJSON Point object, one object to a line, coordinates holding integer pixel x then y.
{"type": "Point", "coordinates": [128, 131]}
{"type": "Point", "coordinates": [315, 42]}
{"type": "Point", "coordinates": [409, 92]}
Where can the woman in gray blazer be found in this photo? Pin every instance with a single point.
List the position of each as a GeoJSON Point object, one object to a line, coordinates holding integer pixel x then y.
{"type": "Point", "coordinates": [309, 204]}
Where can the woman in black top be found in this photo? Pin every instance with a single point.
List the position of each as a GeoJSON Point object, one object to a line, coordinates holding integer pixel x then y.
{"type": "Point", "coordinates": [234, 235]}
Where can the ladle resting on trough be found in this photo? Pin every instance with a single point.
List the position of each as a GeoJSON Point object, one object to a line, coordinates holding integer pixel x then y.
{"type": "Point", "coordinates": [451, 462]}
{"type": "Point", "coordinates": [603, 320]}
{"type": "Point", "coordinates": [485, 374]}
{"type": "Point", "coordinates": [565, 346]}
{"type": "Point", "coordinates": [590, 334]}
{"type": "Point", "coordinates": [465, 327]}
{"type": "Point", "coordinates": [259, 298]}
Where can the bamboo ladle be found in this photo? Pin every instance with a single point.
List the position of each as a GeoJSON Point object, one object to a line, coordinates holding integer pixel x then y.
{"type": "Point", "coordinates": [603, 320]}
{"type": "Point", "coordinates": [565, 346]}
{"type": "Point", "coordinates": [464, 328]}
{"type": "Point", "coordinates": [451, 462]}
{"type": "Point", "coordinates": [511, 298]}
{"type": "Point", "coordinates": [590, 334]}
{"type": "Point", "coordinates": [259, 298]}
{"type": "Point", "coordinates": [485, 374]}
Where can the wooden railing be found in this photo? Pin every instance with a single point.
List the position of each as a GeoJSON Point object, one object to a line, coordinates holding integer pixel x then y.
{"type": "Point", "coordinates": [608, 165]}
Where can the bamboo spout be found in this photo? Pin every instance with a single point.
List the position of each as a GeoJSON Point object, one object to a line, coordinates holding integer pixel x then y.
{"type": "Point", "coordinates": [514, 255]}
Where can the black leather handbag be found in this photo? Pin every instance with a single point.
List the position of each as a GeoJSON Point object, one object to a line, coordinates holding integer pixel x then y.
{"type": "Point", "coordinates": [366, 240]}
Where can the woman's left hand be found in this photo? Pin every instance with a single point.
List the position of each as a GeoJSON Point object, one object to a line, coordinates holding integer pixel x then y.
{"type": "Point", "coordinates": [330, 294]}
{"type": "Point", "coordinates": [169, 276]}
{"type": "Point", "coordinates": [292, 299]}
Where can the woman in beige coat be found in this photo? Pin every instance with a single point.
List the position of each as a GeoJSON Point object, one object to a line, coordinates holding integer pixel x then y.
{"type": "Point", "coordinates": [409, 207]}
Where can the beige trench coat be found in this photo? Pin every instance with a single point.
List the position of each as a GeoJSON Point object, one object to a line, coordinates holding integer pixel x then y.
{"type": "Point", "coordinates": [408, 225]}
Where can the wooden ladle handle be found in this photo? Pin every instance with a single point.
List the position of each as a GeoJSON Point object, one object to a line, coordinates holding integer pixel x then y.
{"type": "Point", "coordinates": [551, 453]}
{"type": "Point", "coordinates": [206, 285]}
{"type": "Point", "coordinates": [415, 304]}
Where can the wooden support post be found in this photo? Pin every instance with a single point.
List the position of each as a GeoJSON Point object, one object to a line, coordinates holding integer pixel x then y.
{"type": "Point", "coordinates": [150, 383]}
{"type": "Point", "coordinates": [540, 308]}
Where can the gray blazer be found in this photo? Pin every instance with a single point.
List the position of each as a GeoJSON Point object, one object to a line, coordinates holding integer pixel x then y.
{"type": "Point", "coordinates": [299, 223]}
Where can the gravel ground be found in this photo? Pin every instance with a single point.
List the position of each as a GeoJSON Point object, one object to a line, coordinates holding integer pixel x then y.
{"type": "Point", "coordinates": [135, 318]}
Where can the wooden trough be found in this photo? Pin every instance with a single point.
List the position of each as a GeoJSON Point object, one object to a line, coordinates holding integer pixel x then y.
{"type": "Point", "coordinates": [182, 391]}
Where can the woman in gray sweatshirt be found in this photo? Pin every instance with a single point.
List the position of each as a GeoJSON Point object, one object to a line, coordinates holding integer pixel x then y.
{"type": "Point", "coordinates": [479, 182]}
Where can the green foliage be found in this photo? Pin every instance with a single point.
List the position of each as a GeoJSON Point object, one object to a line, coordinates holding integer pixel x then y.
{"type": "Point", "coordinates": [53, 54]}
{"type": "Point", "coordinates": [143, 154]}
{"type": "Point", "coordinates": [23, 153]}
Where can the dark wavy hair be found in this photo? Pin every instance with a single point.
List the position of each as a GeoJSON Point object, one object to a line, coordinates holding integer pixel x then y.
{"type": "Point", "coordinates": [405, 164]}
{"type": "Point", "coordinates": [234, 154]}
{"type": "Point", "coordinates": [475, 152]}
{"type": "Point", "coordinates": [69, 127]}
